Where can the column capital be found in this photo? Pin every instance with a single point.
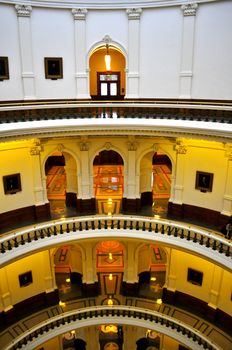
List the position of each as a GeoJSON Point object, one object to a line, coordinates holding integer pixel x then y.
{"type": "Point", "coordinates": [189, 9]}
{"type": "Point", "coordinates": [134, 13]}
{"type": "Point", "coordinates": [228, 152]}
{"type": "Point", "coordinates": [180, 147]}
{"type": "Point", "coordinates": [23, 10]}
{"type": "Point", "coordinates": [84, 146]}
{"type": "Point", "coordinates": [35, 151]}
{"type": "Point", "coordinates": [79, 14]}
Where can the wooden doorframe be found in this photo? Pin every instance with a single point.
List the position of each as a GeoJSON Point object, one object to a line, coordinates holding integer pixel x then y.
{"type": "Point", "coordinates": [118, 81]}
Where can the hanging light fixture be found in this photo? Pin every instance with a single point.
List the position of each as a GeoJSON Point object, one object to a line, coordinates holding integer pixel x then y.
{"type": "Point", "coordinates": [107, 58]}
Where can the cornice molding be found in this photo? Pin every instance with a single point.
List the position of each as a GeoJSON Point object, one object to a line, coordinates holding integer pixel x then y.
{"type": "Point", "coordinates": [86, 127]}
{"type": "Point", "coordinates": [105, 4]}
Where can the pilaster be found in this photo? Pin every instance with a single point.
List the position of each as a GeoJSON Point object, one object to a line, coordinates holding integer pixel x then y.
{"type": "Point", "coordinates": [35, 151]}
{"type": "Point", "coordinates": [188, 32]}
{"type": "Point", "coordinates": [25, 43]}
{"type": "Point", "coordinates": [181, 151]}
{"type": "Point", "coordinates": [227, 198]}
{"type": "Point", "coordinates": [131, 179]}
{"type": "Point", "coordinates": [82, 77]}
{"type": "Point", "coordinates": [85, 186]}
{"type": "Point", "coordinates": [133, 52]}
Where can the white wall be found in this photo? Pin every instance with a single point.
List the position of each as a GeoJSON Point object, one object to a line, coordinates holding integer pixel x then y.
{"type": "Point", "coordinates": [212, 72]}
{"type": "Point", "coordinates": [52, 32]}
{"type": "Point", "coordinates": [9, 46]}
{"type": "Point", "coordinates": [160, 46]}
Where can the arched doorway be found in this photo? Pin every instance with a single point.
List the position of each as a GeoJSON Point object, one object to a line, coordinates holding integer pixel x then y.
{"type": "Point", "coordinates": [108, 182]}
{"type": "Point", "coordinates": [155, 183]}
{"type": "Point", "coordinates": [152, 261]}
{"type": "Point", "coordinates": [110, 268]}
{"type": "Point", "coordinates": [107, 83]}
{"type": "Point", "coordinates": [68, 272]}
{"type": "Point", "coordinates": [61, 184]}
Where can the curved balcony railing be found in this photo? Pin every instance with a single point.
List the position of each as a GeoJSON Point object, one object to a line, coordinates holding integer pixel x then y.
{"type": "Point", "coordinates": [199, 241]}
{"type": "Point", "coordinates": [113, 314]}
{"type": "Point", "coordinates": [174, 110]}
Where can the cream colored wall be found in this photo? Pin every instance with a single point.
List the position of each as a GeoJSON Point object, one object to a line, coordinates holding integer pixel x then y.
{"type": "Point", "coordinates": [52, 344]}
{"type": "Point", "coordinates": [15, 157]}
{"type": "Point", "coordinates": [43, 281]}
{"type": "Point", "coordinates": [217, 283]}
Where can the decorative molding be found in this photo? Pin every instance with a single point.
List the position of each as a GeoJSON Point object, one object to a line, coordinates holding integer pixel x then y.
{"type": "Point", "coordinates": [189, 9]}
{"type": "Point", "coordinates": [228, 152]}
{"type": "Point", "coordinates": [35, 151]}
{"type": "Point", "coordinates": [180, 147]}
{"type": "Point", "coordinates": [107, 39]}
{"type": "Point", "coordinates": [23, 10]}
{"type": "Point", "coordinates": [79, 14]}
{"type": "Point", "coordinates": [132, 145]}
{"type": "Point", "coordinates": [108, 146]}
{"type": "Point", "coordinates": [134, 13]}
{"type": "Point", "coordinates": [155, 147]}
{"type": "Point", "coordinates": [60, 147]}
{"type": "Point", "coordinates": [84, 146]}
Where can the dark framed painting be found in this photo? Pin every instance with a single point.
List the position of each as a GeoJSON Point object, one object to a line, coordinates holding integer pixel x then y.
{"type": "Point", "coordinates": [12, 183]}
{"type": "Point", "coordinates": [53, 68]}
{"type": "Point", "coordinates": [25, 279]}
{"type": "Point", "coordinates": [195, 277]}
{"type": "Point", "coordinates": [4, 68]}
{"type": "Point", "coordinates": [204, 181]}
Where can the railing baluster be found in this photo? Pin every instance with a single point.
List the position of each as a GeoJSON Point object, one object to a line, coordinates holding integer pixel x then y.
{"type": "Point", "coordinates": [74, 227]}
{"type": "Point", "coordinates": [86, 226]}
{"type": "Point", "coordinates": [3, 250]}
{"type": "Point", "coordinates": [67, 228]}
{"type": "Point", "coordinates": [93, 225]}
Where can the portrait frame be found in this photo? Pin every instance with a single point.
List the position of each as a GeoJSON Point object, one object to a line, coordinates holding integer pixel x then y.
{"type": "Point", "coordinates": [204, 181]}
{"type": "Point", "coordinates": [12, 183]}
{"type": "Point", "coordinates": [53, 68]}
{"type": "Point", "coordinates": [195, 277]}
{"type": "Point", "coordinates": [4, 68]}
{"type": "Point", "coordinates": [25, 279]}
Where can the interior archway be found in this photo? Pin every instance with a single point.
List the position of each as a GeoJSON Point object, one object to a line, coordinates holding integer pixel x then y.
{"type": "Point", "coordinates": [107, 84]}
{"type": "Point", "coordinates": [155, 183]}
{"type": "Point", "coordinates": [110, 268]}
{"type": "Point", "coordinates": [68, 272]}
{"type": "Point", "coordinates": [61, 184]}
{"type": "Point", "coordinates": [152, 260]}
{"type": "Point", "coordinates": [108, 170]}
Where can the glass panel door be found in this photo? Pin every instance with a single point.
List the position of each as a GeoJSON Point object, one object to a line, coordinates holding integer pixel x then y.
{"type": "Point", "coordinates": [104, 89]}
{"type": "Point", "coordinates": [113, 89]}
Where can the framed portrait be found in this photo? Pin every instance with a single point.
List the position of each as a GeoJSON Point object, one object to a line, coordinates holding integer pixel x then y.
{"type": "Point", "coordinates": [204, 181]}
{"type": "Point", "coordinates": [4, 68]}
{"type": "Point", "coordinates": [25, 279]}
{"type": "Point", "coordinates": [12, 183]}
{"type": "Point", "coordinates": [195, 277]}
{"type": "Point", "coordinates": [53, 68]}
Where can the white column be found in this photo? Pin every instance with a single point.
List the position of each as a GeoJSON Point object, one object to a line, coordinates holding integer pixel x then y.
{"type": "Point", "coordinates": [227, 198]}
{"type": "Point", "coordinates": [146, 174]}
{"type": "Point", "coordinates": [132, 89]}
{"type": "Point", "coordinates": [188, 31]}
{"type": "Point", "coordinates": [25, 43]}
{"type": "Point", "coordinates": [85, 181]}
{"type": "Point", "coordinates": [131, 178]}
{"type": "Point", "coordinates": [37, 174]}
{"type": "Point", "coordinates": [49, 271]}
{"type": "Point", "coordinates": [179, 175]}
{"type": "Point", "coordinates": [88, 268]}
{"type": "Point", "coordinates": [131, 266]}
{"type": "Point", "coordinates": [5, 295]}
{"type": "Point", "coordinates": [215, 289]}
{"type": "Point", "coordinates": [82, 75]}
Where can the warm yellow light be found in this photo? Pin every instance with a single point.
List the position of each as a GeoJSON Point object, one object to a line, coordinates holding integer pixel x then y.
{"type": "Point", "coordinates": [68, 280]}
{"type": "Point", "coordinates": [153, 279]}
{"type": "Point", "coordinates": [108, 62]}
{"type": "Point", "coordinates": [110, 276]}
{"type": "Point", "coordinates": [109, 213]}
{"type": "Point", "coordinates": [156, 216]}
{"type": "Point", "coordinates": [61, 303]}
{"type": "Point", "coordinates": [110, 256]}
{"type": "Point", "coordinates": [109, 200]}
{"type": "Point", "coordinates": [159, 301]}
{"type": "Point", "coordinates": [110, 302]}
